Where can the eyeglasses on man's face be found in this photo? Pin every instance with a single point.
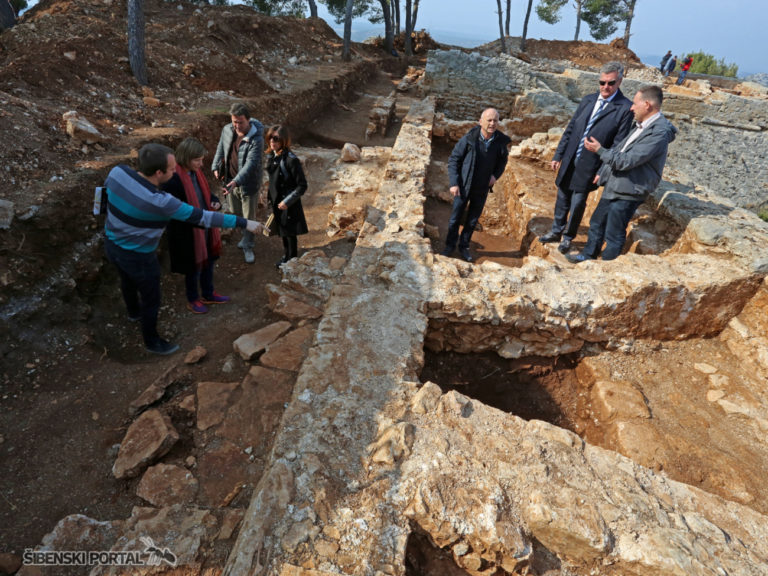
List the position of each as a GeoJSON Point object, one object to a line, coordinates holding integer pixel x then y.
{"type": "Point", "coordinates": [604, 82]}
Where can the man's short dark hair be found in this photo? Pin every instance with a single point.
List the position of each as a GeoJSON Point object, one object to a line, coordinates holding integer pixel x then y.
{"type": "Point", "coordinates": [153, 157]}
{"type": "Point", "coordinates": [652, 94]}
{"type": "Point", "coordinates": [239, 109]}
{"type": "Point", "coordinates": [611, 67]}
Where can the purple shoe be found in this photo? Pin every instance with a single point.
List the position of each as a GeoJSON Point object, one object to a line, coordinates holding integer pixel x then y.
{"type": "Point", "coordinates": [216, 298]}
{"type": "Point", "coordinates": [197, 307]}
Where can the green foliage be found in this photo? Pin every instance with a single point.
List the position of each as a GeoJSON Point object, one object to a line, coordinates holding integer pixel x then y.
{"type": "Point", "coordinates": [549, 10]}
{"type": "Point", "coordinates": [763, 214]}
{"type": "Point", "coordinates": [338, 9]}
{"type": "Point", "coordinates": [602, 17]}
{"type": "Point", "coordinates": [704, 63]}
{"type": "Point", "coordinates": [279, 7]}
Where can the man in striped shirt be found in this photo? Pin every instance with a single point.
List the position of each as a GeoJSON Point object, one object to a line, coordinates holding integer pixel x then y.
{"type": "Point", "coordinates": [137, 213]}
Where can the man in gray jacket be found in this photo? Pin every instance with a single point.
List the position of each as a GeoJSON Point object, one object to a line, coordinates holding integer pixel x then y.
{"type": "Point", "coordinates": [238, 163]}
{"type": "Point", "coordinates": [631, 171]}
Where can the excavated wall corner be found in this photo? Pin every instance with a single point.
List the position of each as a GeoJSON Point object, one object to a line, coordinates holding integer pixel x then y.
{"type": "Point", "coordinates": [366, 454]}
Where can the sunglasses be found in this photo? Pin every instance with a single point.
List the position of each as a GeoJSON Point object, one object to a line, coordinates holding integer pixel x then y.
{"type": "Point", "coordinates": [604, 82]}
{"type": "Point", "coordinates": [275, 138]}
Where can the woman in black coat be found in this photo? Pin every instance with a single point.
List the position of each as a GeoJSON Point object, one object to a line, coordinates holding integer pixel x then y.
{"type": "Point", "coordinates": [194, 250]}
{"type": "Point", "coordinates": [287, 184]}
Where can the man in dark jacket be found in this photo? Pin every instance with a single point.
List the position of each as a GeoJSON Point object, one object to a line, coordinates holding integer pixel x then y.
{"type": "Point", "coordinates": [631, 171]}
{"type": "Point", "coordinates": [606, 116]}
{"type": "Point", "coordinates": [238, 163]}
{"type": "Point", "coordinates": [477, 161]}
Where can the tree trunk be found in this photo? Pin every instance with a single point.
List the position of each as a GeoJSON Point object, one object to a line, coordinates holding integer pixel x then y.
{"type": "Point", "coordinates": [578, 20]}
{"type": "Point", "coordinates": [386, 12]}
{"type": "Point", "coordinates": [501, 27]}
{"type": "Point", "coordinates": [312, 9]}
{"type": "Point", "coordinates": [7, 15]}
{"type": "Point", "coordinates": [397, 16]}
{"type": "Point", "coordinates": [136, 41]}
{"type": "Point", "coordinates": [509, 11]}
{"type": "Point", "coordinates": [408, 29]}
{"type": "Point", "coordinates": [345, 55]}
{"type": "Point", "coordinates": [525, 25]}
{"type": "Point", "coordinates": [415, 14]}
{"type": "Point", "coordinates": [630, 15]}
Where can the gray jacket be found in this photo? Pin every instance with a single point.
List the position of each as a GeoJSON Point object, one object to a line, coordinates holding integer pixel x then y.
{"type": "Point", "coordinates": [635, 173]}
{"type": "Point", "coordinates": [249, 157]}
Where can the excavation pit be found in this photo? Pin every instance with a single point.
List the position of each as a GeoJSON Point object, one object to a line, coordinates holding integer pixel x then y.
{"type": "Point", "coordinates": [532, 388]}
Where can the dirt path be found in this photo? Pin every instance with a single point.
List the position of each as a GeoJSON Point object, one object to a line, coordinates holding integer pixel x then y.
{"type": "Point", "coordinates": [62, 418]}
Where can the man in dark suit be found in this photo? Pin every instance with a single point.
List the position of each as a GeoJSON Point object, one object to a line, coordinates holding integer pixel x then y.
{"type": "Point", "coordinates": [604, 115]}
{"type": "Point", "coordinates": [631, 172]}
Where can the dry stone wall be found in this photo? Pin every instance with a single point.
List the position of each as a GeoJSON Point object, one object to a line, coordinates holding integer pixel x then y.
{"type": "Point", "coordinates": [366, 454]}
{"type": "Point", "coordinates": [467, 82]}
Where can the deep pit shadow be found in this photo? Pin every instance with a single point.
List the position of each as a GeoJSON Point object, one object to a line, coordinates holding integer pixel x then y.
{"type": "Point", "coordinates": [425, 558]}
{"type": "Point", "coordinates": [532, 388]}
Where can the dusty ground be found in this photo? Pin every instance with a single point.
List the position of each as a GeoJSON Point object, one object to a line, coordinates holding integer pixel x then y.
{"type": "Point", "coordinates": [70, 361]}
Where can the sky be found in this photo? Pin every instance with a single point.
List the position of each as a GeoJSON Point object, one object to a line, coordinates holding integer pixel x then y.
{"type": "Point", "coordinates": [734, 30]}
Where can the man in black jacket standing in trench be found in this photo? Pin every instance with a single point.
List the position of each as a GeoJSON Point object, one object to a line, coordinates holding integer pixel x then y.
{"type": "Point", "coordinates": [477, 161]}
{"type": "Point", "coordinates": [604, 115]}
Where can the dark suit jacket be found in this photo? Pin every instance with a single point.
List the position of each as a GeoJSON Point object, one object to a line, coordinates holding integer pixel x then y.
{"type": "Point", "coordinates": [613, 124]}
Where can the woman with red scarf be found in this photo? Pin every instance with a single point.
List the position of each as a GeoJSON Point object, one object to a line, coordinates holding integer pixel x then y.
{"type": "Point", "coordinates": [194, 250]}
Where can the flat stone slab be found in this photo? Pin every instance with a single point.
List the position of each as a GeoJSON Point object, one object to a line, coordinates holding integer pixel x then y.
{"type": "Point", "coordinates": [212, 402]}
{"type": "Point", "coordinates": [149, 438]}
{"type": "Point", "coordinates": [165, 485]}
{"type": "Point", "coordinates": [289, 352]}
{"type": "Point", "coordinates": [248, 346]}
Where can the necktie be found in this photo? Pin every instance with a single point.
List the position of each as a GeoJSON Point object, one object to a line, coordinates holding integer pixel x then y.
{"type": "Point", "coordinates": [600, 106]}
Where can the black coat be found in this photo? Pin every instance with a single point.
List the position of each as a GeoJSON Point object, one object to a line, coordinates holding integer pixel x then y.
{"type": "Point", "coordinates": [461, 164]}
{"type": "Point", "coordinates": [612, 125]}
{"type": "Point", "coordinates": [287, 186]}
{"type": "Point", "coordinates": [181, 240]}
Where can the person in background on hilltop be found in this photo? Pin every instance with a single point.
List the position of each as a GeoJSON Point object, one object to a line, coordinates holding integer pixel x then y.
{"type": "Point", "coordinates": [684, 70]}
{"type": "Point", "coordinates": [671, 66]}
{"type": "Point", "coordinates": [664, 60]}
{"type": "Point", "coordinates": [477, 161]}
{"type": "Point", "coordinates": [606, 115]}
{"type": "Point", "coordinates": [237, 162]}
{"type": "Point", "coordinates": [287, 185]}
{"type": "Point", "coordinates": [137, 213]}
{"type": "Point", "coordinates": [194, 250]}
{"type": "Point", "coordinates": [631, 171]}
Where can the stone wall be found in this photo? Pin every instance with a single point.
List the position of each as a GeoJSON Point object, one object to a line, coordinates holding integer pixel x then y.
{"type": "Point", "coordinates": [469, 82]}
{"type": "Point", "coordinates": [722, 145]}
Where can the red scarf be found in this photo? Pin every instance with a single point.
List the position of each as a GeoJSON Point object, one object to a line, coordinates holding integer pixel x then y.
{"type": "Point", "coordinates": [201, 247]}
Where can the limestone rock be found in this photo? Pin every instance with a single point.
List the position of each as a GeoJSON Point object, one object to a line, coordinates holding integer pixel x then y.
{"type": "Point", "coordinates": [81, 129]}
{"type": "Point", "coordinates": [9, 563]}
{"type": "Point", "coordinates": [195, 355]}
{"type": "Point", "coordinates": [212, 402]}
{"type": "Point", "coordinates": [79, 532]}
{"type": "Point", "coordinates": [288, 352]}
{"type": "Point", "coordinates": [350, 153]}
{"type": "Point", "coordinates": [152, 102]}
{"type": "Point", "coordinates": [150, 437]}
{"type": "Point", "coordinates": [290, 305]}
{"type": "Point", "coordinates": [156, 390]}
{"type": "Point", "coordinates": [250, 345]}
{"type": "Point", "coordinates": [165, 485]}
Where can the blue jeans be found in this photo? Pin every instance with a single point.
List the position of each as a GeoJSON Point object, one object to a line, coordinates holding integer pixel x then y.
{"type": "Point", "coordinates": [203, 277]}
{"type": "Point", "coordinates": [474, 204]}
{"type": "Point", "coordinates": [609, 223]}
{"type": "Point", "coordinates": [140, 285]}
{"type": "Point", "coordinates": [573, 202]}
{"type": "Point", "coordinates": [683, 74]}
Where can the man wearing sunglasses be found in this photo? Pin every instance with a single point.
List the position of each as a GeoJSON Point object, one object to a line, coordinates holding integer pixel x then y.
{"type": "Point", "coordinates": [604, 115]}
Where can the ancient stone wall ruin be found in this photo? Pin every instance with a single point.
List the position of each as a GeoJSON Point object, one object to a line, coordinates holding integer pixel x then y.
{"type": "Point", "coordinates": [368, 456]}
{"type": "Point", "coordinates": [722, 142]}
